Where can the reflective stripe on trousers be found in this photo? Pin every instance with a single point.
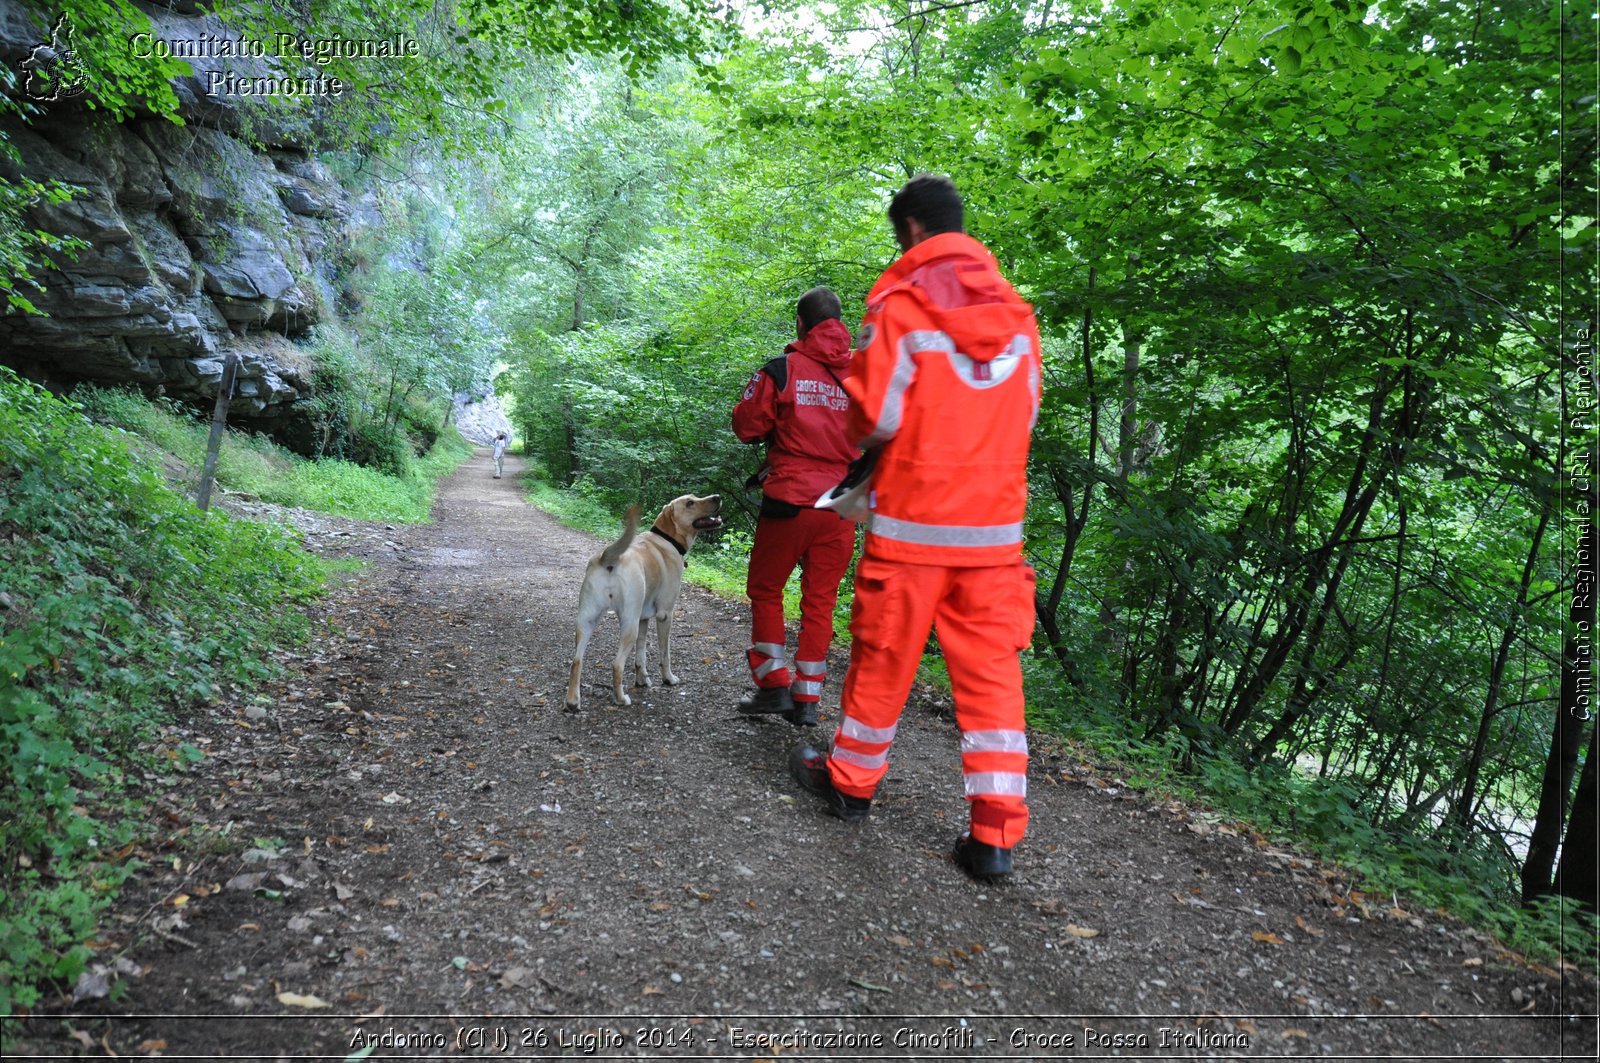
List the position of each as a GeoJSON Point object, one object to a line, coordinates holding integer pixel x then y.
{"type": "Point", "coordinates": [984, 616]}
{"type": "Point", "coordinates": [768, 665]}
{"type": "Point", "coordinates": [820, 544]}
{"type": "Point", "coordinates": [809, 677]}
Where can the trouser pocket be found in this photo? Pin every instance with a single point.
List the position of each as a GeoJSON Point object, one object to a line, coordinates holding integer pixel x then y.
{"type": "Point", "coordinates": [1025, 617]}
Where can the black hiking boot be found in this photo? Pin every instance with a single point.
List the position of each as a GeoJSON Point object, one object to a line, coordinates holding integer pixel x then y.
{"type": "Point", "coordinates": [767, 701]}
{"type": "Point", "coordinates": [804, 714]}
{"type": "Point", "coordinates": [809, 766]}
{"type": "Point", "coordinates": [986, 863]}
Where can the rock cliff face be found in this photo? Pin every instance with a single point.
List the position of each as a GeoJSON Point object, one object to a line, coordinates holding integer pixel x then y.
{"type": "Point", "coordinates": [478, 416]}
{"type": "Point", "coordinates": [199, 243]}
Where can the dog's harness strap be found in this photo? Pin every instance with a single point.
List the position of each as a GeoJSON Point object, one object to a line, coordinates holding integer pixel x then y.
{"type": "Point", "coordinates": [683, 551]}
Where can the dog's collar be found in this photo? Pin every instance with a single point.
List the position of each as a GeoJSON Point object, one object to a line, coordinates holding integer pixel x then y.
{"type": "Point", "coordinates": [683, 551]}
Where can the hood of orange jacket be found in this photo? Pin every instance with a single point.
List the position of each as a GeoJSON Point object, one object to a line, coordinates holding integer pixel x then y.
{"type": "Point", "coordinates": [958, 283]}
{"type": "Point", "coordinates": [828, 342]}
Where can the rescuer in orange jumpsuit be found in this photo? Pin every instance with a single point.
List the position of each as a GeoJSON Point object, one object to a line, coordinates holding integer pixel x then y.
{"type": "Point", "coordinates": [945, 384]}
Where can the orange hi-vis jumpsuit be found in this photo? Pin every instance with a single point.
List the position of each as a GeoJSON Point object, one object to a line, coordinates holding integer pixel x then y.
{"type": "Point", "coordinates": [946, 380]}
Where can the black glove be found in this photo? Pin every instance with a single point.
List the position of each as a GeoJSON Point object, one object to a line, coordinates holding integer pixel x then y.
{"type": "Point", "coordinates": [850, 497]}
{"type": "Point", "coordinates": [857, 473]}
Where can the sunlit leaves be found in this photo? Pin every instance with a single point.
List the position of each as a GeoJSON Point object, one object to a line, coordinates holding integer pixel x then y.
{"type": "Point", "coordinates": [471, 54]}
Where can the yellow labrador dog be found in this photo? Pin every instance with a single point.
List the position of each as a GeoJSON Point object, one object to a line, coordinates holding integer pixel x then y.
{"type": "Point", "coordinates": [638, 577]}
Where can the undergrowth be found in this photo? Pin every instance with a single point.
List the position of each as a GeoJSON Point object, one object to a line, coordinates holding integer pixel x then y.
{"type": "Point", "coordinates": [254, 465]}
{"type": "Point", "coordinates": [1324, 817]}
{"type": "Point", "coordinates": [120, 602]}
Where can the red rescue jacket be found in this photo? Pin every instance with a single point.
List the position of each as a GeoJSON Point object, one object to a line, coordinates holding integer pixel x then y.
{"type": "Point", "coordinates": [796, 404]}
{"type": "Point", "coordinates": [946, 379]}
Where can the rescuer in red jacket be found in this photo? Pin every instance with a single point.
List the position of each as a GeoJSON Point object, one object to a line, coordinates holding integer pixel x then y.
{"type": "Point", "coordinates": [945, 385]}
{"type": "Point", "coordinates": [796, 405]}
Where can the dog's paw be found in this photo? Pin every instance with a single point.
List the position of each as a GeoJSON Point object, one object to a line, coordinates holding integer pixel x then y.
{"type": "Point", "coordinates": [623, 699]}
{"type": "Point", "coordinates": [572, 706]}
{"type": "Point", "coordinates": [642, 681]}
{"type": "Point", "coordinates": [671, 680]}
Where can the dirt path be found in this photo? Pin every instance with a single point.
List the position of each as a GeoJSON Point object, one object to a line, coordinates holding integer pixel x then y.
{"type": "Point", "coordinates": [413, 832]}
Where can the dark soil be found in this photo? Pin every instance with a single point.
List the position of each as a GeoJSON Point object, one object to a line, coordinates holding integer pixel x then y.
{"type": "Point", "coordinates": [410, 844]}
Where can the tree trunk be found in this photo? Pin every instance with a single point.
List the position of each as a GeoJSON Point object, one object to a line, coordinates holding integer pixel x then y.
{"type": "Point", "coordinates": [1572, 711]}
{"type": "Point", "coordinates": [1466, 801]}
{"type": "Point", "coordinates": [1047, 604]}
{"type": "Point", "coordinates": [1128, 420]}
{"type": "Point", "coordinates": [577, 301]}
{"type": "Point", "coordinates": [1576, 874]}
{"type": "Point", "coordinates": [569, 429]}
{"type": "Point", "coordinates": [1360, 495]}
{"type": "Point", "coordinates": [1109, 621]}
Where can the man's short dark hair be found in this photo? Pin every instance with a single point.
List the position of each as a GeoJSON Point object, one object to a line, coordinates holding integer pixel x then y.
{"type": "Point", "coordinates": [818, 305]}
{"type": "Point", "coordinates": [933, 200]}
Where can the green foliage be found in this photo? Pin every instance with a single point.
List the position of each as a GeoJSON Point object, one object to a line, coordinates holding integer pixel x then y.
{"type": "Point", "coordinates": [610, 405]}
{"type": "Point", "coordinates": [254, 465]}
{"type": "Point", "coordinates": [456, 92]}
{"type": "Point", "coordinates": [119, 603]}
{"type": "Point", "coordinates": [338, 391]}
{"type": "Point", "coordinates": [117, 77]}
{"type": "Point", "coordinates": [24, 249]}
{"type": "Point", "coordinates": [1330, 819]}
{"type": "Point", "coordinates": [380, 447]}
{"type": "Point", "coordinates": [425, 333]}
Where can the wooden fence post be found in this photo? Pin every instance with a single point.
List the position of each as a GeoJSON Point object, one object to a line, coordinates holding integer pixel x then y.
{"type": "Point", "coordinates": [219, 421]}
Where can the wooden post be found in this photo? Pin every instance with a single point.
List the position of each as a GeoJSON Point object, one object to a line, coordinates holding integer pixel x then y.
{"type": "Point", "coordinates": [219, 421]}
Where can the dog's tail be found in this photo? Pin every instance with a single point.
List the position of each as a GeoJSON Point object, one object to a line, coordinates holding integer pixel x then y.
{"type": "Point", "coordinates": [630, 527]}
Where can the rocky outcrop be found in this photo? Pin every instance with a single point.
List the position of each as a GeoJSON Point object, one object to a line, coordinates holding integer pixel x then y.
{"type": "Point", "coordinates": [196, 244]}
{"type": "Point", "coordinates": [479, 416]}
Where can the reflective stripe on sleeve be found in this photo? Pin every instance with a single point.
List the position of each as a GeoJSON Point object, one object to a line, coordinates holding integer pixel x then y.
{"type": "Point", "coordinates": [811, 667]}
{"type": "Point", "coordinates": [1038, 394]}
{"type": "Point", "coordinates": [806, 687]}
{"type": "Point", "coordinates": [994, 742]}
{"type": "Point", "coordinates": [770, 649]}
{"type": "Point", "coordinates": [995, 783]}
{"type": "Point", "coordinates": [905, 371]}
{"type": "Point", "coordinates": [766, 668]}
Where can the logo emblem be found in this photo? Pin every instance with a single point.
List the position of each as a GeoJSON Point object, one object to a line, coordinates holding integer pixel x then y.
{"type": "Point", "coordinates": [54, 71]}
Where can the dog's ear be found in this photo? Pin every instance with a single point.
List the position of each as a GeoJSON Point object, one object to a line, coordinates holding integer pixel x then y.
{"type": "Point", "coordinates": [672, 517]}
